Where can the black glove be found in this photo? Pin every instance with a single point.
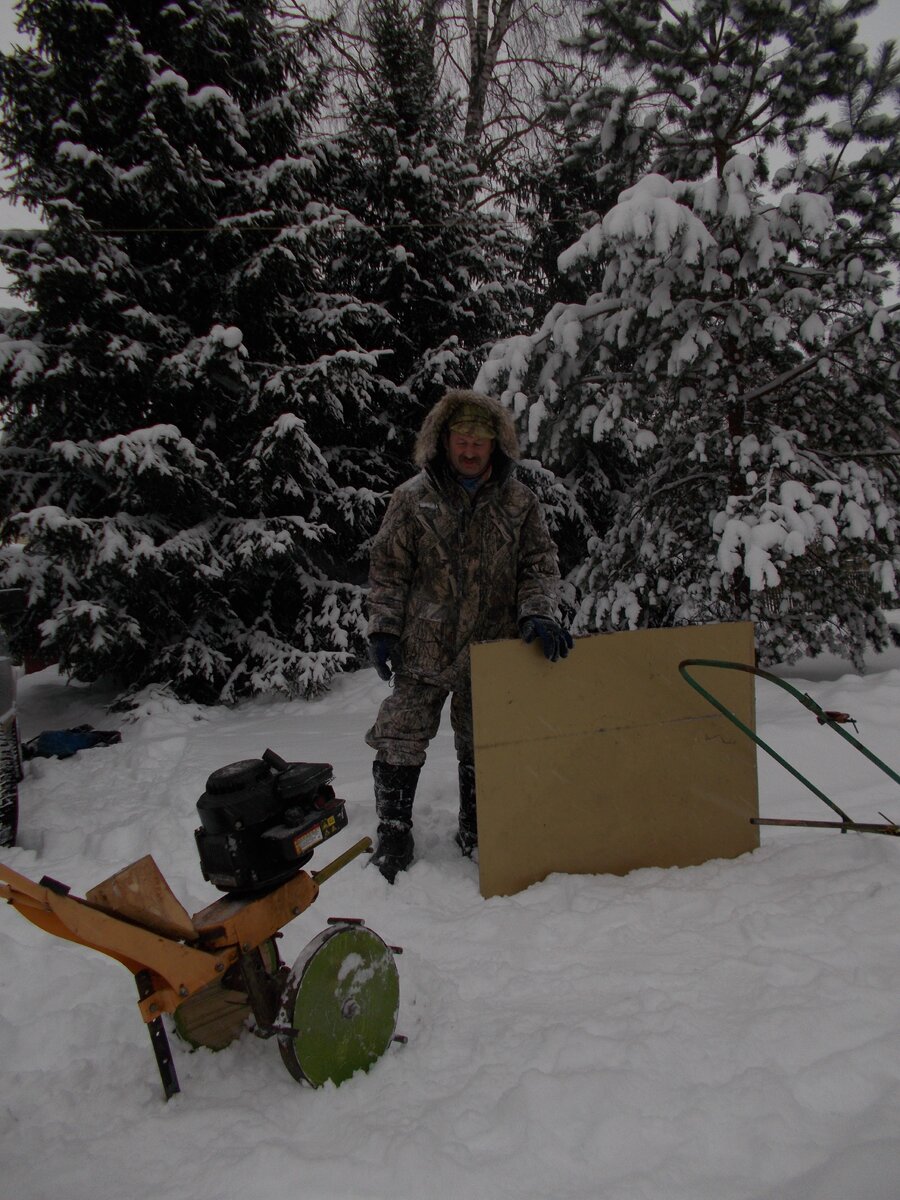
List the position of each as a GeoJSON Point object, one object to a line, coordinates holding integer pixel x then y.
{"type": "Point", "coordinates": [556, 641]}
{"type": "Point", "coordinates": [384, 649]}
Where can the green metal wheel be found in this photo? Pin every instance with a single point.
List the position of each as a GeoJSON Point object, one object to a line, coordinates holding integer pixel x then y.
{"type": "Point", "coordinates": [339, 1004]}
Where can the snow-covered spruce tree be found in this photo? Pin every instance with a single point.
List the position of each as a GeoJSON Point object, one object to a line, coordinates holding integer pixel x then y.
{"type": "Point", "coordinates": [738, 356]}
{"type": "Point", "coordinates": [440, 264]}
{"type": "Point", "coordinates": [561, 190]}
{"type": "Point", "coordinates": [569, 180]}
{"type": "Point", "coordinates": [183, 464]}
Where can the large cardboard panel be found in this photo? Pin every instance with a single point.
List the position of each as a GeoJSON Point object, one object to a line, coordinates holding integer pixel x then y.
{"type": "Point", "coordinates": [608, 760]}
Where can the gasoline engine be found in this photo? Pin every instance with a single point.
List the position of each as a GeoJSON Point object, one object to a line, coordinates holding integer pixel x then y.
{"type": "Point", "coordinates": [261, 819]}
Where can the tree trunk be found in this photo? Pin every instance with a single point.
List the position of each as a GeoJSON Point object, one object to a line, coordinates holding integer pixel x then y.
{"type": "Point", "coordinates": [485, 41]}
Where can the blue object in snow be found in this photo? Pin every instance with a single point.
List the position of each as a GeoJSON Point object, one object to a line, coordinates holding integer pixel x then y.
{"type": "Point", "coordinates": [63, 743]}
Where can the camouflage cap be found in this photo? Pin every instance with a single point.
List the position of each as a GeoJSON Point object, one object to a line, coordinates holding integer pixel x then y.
{"type": "Point", "coordinates": [473, 420]}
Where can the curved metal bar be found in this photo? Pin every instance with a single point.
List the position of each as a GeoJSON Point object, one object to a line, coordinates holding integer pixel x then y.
{"type": "Point", "coordinates": [821, 716]}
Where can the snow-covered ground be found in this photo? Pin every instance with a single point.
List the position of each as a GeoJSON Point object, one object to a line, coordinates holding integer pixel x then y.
{"type": "Point", "coordinates": [724, 1032]}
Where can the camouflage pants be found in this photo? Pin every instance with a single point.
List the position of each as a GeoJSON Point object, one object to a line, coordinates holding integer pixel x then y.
{"type": "Point", "coordinates": [409, 718]}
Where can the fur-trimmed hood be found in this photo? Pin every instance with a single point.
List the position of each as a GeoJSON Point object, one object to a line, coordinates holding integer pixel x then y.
{"type": "Point", "coordinates": [428, 442]}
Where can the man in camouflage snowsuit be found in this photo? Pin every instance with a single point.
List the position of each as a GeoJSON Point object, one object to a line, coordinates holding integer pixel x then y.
{"type": "Point", "coordinates": [463, 555]}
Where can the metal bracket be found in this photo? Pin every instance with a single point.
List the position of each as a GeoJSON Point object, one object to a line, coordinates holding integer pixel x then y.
{"type": "Point", "coordinates": [159, 1039]}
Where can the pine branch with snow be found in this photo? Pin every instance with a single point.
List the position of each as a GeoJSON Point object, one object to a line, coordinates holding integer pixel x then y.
{"type": "Point", "coordinates": [178, 394]}
{"type": "Point", "coordinates": [737, 366]}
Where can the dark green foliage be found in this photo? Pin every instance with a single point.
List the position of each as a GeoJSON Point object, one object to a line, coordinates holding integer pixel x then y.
{"type": "Point", "coordinates": [182, 398]}
{"type": "Point", "coordinates": [440, 264]}
{"type": "Point", "coordinates": [725, 351]}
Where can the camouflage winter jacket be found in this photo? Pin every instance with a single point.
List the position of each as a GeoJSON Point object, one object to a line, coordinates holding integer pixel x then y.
{"type": "Point", "coordinates": [447, 570]}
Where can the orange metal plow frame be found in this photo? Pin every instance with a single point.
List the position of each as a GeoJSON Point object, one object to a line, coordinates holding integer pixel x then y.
{"type": "Point", "coordinates": [135, 918]}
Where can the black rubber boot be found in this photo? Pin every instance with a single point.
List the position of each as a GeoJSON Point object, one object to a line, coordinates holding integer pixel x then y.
{"type": "Point", "coordinates": [467, 834]}
{"type": "Point", "coordinates": [395, 790]}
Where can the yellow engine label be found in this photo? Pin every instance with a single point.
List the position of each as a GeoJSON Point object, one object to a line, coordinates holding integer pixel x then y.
{"type": "Point", "coordinates": [312, 837]}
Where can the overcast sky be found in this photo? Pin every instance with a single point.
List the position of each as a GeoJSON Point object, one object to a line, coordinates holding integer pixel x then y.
{"type": "Point", "coordinates": [883, 23]}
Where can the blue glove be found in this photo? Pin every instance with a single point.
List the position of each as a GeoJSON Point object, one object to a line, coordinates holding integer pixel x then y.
{"type": "Point", "coordinates": [556, 641]}
{"type": "Point", "coordinates": [384, 649]}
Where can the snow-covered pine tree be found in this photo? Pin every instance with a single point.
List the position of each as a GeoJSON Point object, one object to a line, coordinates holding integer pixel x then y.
{"type": "Point", "coordinates": [439, 262]}
{"type": "Point", "coordinates": [182, 479]}
{"type": "Point", "coordinates": [572, 176]}
{"type": "Point", "coordinates": [741, 353]}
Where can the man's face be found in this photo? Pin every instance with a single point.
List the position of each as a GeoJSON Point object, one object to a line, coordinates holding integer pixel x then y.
{"type": "Point", "coordinates": [469, 456]}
